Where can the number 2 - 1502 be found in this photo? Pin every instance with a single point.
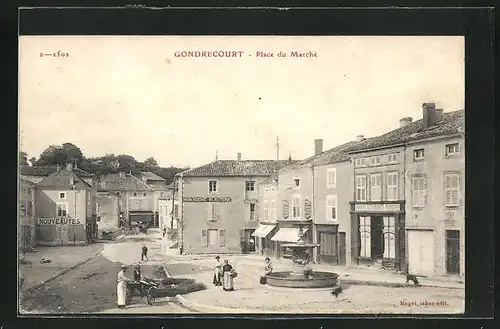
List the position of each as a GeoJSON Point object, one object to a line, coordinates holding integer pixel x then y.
{"type": "Point", "coordinates": [58, 54]}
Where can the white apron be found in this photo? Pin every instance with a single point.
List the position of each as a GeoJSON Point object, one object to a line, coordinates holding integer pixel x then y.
{"type": "Point", "coordinates": [121, 289]}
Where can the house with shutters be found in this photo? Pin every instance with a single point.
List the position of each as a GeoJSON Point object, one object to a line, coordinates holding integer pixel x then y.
{"type": "Point", "coordinates": [26, 221]}
{"type": "Point", "coordinates": [408, 203]}
{"type": "Point", "coordinates": [36, 174]}
{"type": "Point", "coordinates": [314, 194]}
{"type": "Point", "coordinates": [218, 205]}
{"type": "Point", "coordinates": [267, 216]}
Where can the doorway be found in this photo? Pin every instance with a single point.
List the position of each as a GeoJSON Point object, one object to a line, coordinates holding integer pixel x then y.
{"type": "Point", "coordinates": [377, 237]}
{"type": "Point", "coordinates": [453, 251]}
{"type": "Point", "coordinates": [212, 237]}
{"type": "Point", "coordinates": [249, 240]}
{"type": "Point", "coordinates": [342, 248]}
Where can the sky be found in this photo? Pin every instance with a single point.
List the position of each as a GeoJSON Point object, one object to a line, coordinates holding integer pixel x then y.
{"type": "Point", "coordinates": [132, 95]}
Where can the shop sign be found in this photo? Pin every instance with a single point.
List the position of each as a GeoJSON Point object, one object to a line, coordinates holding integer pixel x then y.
{"type": "Point", "coordinates": [58, 221]}
{"type": "Point", "coordinates": [307, 209]}
{"type": "Point", "coordinates": [378, 207]}
{"type": "Point", "coordinates": [206, 199]}
{"type": "Point", "coordinates": [286, 209]}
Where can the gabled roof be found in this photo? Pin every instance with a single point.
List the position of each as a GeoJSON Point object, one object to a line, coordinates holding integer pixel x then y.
{"type": "Point", "coordinates": [47, 170]}
{"type": "Point", "coordinates": [232, 168]}
{"type": "Point", "coordinates": [63, 179]}
{"type": "Point", "coordinates": [452, 123]}
{"type": "Point", "coordinates": [334, 155]}
{"type": "Point", "coordinates": [115, 182]}
{"type": "Point", "coordinates": [148, 175]}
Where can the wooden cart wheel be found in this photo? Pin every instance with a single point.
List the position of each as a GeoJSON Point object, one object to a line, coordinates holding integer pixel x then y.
{"type": "Point", "coordinates": [128, 296]}
{"type": "Point", "coordinates": [150, 297]}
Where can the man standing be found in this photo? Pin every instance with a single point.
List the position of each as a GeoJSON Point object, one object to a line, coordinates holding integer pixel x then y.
{"type": "Point", "coordinates": [144, 252]}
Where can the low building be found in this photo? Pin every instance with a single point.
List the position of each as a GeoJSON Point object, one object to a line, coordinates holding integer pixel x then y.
{"type": "Point", "coordinates": [65, 209]}
{"type": "Point", "coordinates": [218, 205]}
{"type": "Point", "coordinates": [169, 207]}
{"type": "Point", "coordinates": [408, 208]}
{"type": "Point", "coordinates": [26, 220]}
{"type": "Point", "coordinates": [136, 198]}
{"type": "Point", "coordinates": [162, 192]}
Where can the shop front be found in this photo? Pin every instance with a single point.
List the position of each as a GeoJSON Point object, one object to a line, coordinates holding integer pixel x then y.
{"type": "Point", "coordinates": [263, 243]}
{"type": "Point", "coordinates": [329, 249]}
{"type": "Point", "coordinates": [288, 232]}
{"type": "Point", "coordinates": [62, 232]}
{"type": "Point", "coordinates": [378, 234]}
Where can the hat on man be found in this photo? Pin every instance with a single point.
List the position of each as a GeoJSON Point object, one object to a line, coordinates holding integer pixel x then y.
{"type": "Point", "coordinates": [124, 266]}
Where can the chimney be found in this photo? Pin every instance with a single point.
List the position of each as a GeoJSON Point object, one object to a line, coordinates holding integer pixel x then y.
{"type": "Point", "coordinates": [360, 138]}
{"type": "Point", "coordinates": [69, 166]}
{"type": "Point", "coordinates": [239, 156]}
{"type": "Point", "coordinates": [428, 114]}
{"type": "Point", "coordinates": [439, 115]}
{"type": "Point", "coordinates": [318, 146]}
{"type": "Point", "coordinates": [405, 121]}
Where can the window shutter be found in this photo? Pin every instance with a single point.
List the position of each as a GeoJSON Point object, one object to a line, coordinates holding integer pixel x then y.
{"type": "Point", "coordinates": [242, 235]}
{"type": "Point", "coordinates": [204, 240]}
{"type": "Point", "coordinates": [217, 212]}
{"type": "Point", "coordinates": [222, 238]}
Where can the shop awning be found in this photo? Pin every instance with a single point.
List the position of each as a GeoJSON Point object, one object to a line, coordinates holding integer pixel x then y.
{"type": "Point", "coordinates": [288, 234]}
{"type": "Point", "coordinates": [263, 230]}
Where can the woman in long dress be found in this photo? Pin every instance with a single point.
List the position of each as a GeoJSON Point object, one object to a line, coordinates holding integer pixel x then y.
{"type": "Point", "coordinates": [121, 287]}
{"type": "Point", "coordinates": [228, 280]}
{"type": "Point", "coordinates": [217, 271]}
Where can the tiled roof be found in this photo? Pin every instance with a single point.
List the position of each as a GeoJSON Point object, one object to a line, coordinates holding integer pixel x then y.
{"type": "Point", "coordinates": [148, 175]}
{"type": "Point", "coordinates": [452, 123]}
{"type": "Point", "coordinates": [115, 182]}
{"type": "Point", "coordinates": [63, 179]}
{"type": "Point", "coordinates": [221, 168]}
{"type": "Point", "coordinates": [47, 170]}
{"type": "Point", "coordinates": [27, 182]}
{"type": "Point", "coordinates": [334, 155]}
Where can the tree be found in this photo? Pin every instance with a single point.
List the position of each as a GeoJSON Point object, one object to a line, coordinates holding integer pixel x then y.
{"type": "Point", "coordinates": [127, 163]}
{"type": "Point", "coordinates": [23, 158]}
{"type": "Point", "coordinates": [73, 153]}
{"type": "Point", "coordinates": [151, 162]}
{"type": "Point", "coordinates": [60, 155]}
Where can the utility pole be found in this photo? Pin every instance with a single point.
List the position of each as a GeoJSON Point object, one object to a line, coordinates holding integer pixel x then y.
{"type": "Point", "coordinates": [277, 148]}
{"type": "Point", "coordinates": [216, 155]}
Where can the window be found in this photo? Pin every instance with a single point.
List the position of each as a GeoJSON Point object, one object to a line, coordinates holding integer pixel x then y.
{"type": "Point", "coordinates": [451, 190]}
{"type": "Point", "coordinates": [22, 208]}
{"type": "Point", "coordinates": [357, 162]}
{"type": "Point", "coordinates": [365, 237]}
{"type": "Point", "coordinates": [97, 207]}
{"type": "Point", "coordinates": [252, 211]}
{"type": "Point", "coordinates": [266, 192]}
{"type": "Point", "coordinates": [296, 206]}
{"type": "Point", "coordinates": [376, 187]}
{"type": "Point", "coordinates": [134, 194]}
{"type": "Point", "coordinates": [272, 207]}
{"type": "Point", "coordinates": [273, 192]}
{"type": "Point", "coordinates": [212, 186]}
{"type": "Point", "coordinates": [360, 188]}
{"type": "Point", "coordinates": [363, 162]}
{"type": "Point", "coordinates": [266, 210]}
{"type": "Point", "coordinates": [213, 212]}
{"type": "Point", "coordinates": [204, 239]}
{"type": "Point", "coordinates": [418, 154]}
{"type": "Point", "coordinates": [62, 209]}
{"type": "Point", "coordinates": [62, 195]}
{"type": "Point", "coordinates": [418, 191]}
{"type": "Point", "coordinates": [331, 178]}
{"type": "Point", "coordinates": [249, 186]}
{"type": "Point", "coordinates": [389, 238]}
{"type": "Point", "coordinates": [28, 191]}
{"type": "Point", "coordinates": [392, 158]}
{"type": "Point", "coordinates": [144, 194]}
{"type": "Point", "coordinates": [161, 194]}
{"type": "Point", "coordinates": [331, 208]}
{"type": "Point", "coordinates": [374, 161]}
{"type": "Point", "coordinates": [392, 186]}
{"type": "Point", "coordinates": [452, 149]}
{"type": "Point", "coordinates": [296, 183]}
{"type": "Point", "coordinates": [222, 238]}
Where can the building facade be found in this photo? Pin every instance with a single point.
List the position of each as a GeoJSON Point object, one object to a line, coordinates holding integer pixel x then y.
{"type": "Point", "coordinates": [408, 207]}
{"type": "Point", "coordinates": [267, 215]}
{"type": "Point", "coordinates": [65, 209]}
{"type": "Point", "coordinates": [26, 222]}
{"type": "Point", "coordinates": [218, 205]}
{"type": "Point", "coordinates": [136, 198]}
{"type": "Point", "coordinates": [108, 210]}
{"type": "Point", "coordinates": [161, 192]}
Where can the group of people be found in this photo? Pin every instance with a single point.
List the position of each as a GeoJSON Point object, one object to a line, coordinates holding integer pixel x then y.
{"type": "Point", "coordinates": [121, 283]}
{"type": "Point", "coordinates": [224, 274]}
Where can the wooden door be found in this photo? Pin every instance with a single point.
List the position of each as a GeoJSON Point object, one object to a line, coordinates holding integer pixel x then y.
{"type": "Point", "coordinates": [421, 252]}
{"type": "Point", "coordinates": [213, 240]}
{"type": "Point", "coordinates": [453, 252]}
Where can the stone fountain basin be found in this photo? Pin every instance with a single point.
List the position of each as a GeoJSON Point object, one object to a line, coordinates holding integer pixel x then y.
{"type": "Point", "coordinates": [314, 280]}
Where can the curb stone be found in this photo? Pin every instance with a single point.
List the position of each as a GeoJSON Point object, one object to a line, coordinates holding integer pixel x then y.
{"type": "Point", "coordinates": [203, 308]}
